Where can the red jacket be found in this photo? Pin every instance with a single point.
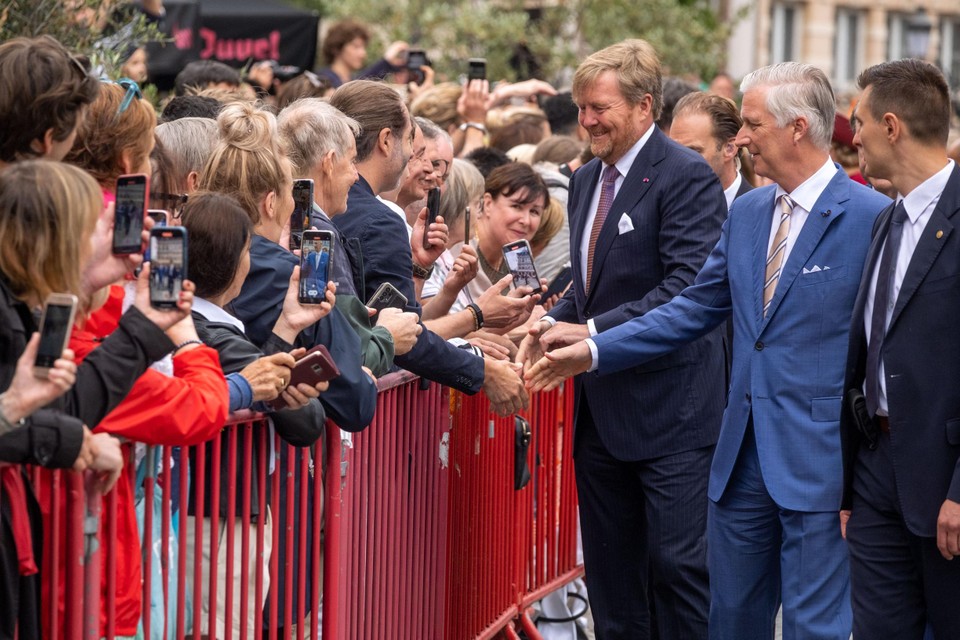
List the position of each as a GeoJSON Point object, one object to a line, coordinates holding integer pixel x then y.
{"type": "Point", "coordinates": [187, 409]}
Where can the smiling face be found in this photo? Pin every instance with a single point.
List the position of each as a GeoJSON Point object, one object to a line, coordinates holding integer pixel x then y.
{"type": "Point", "coordinates": [414, 187]}
{"type": "Point", "coordinates": [770, 146]}
{"type": "Point", "coordinates": [613, 123]}
{"type": "Point", "coordinates": [342, 176]}
{"type": "Point", "coordinates": [506, 219]}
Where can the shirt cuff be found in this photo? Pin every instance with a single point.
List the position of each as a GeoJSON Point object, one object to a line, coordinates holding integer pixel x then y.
{"type": "Point", "coordinates": [592, 327]}
{"type": "Point", "coordinates": [241, 393]}
{"type": "Point", "coordinates": [594, 355]}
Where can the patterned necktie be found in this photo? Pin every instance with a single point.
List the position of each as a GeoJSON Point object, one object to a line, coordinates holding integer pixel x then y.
{"type": "Point", "coordinates": [883, 301]}
{"type": "Point", "coordinates": [610, 175]}
{"type": "Point", "coordinates": [777, 251]}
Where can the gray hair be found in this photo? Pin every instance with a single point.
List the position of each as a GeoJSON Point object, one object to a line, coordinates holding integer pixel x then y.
{"type": "Point", "coordinates": [464, 186]}
{"type": "Point", "coordinates": [797, 89]}
{"type": "Point", "coordinates": [189, 142]}
{"type": "Point", "coordinates": [431, 130]}
{"type": "Point", "coordinates": [310, 128]}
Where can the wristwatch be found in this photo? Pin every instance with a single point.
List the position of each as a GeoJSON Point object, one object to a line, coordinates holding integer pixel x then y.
{"type": "Point", "coordinates": [421, 272]}
{"type": "Point", "coordinates": [479, 126]}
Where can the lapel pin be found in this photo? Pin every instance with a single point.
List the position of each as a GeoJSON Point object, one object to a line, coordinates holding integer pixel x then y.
{"type": "Point", "coordinates": [939, 234]}
{"type": "Point", "coordinates": [826, 214]}
{"type": "Point", "coordinates": [646, 179]}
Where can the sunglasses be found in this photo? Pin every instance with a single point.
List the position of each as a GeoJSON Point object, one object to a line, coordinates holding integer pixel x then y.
{"type": "Point", "coordinates": [173, 202]}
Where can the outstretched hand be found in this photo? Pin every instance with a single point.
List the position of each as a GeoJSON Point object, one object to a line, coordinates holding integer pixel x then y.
{"type": "Point", "coordinates": [556, 366]}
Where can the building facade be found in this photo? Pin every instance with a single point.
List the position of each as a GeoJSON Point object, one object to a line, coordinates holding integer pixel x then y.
{"type": "Point", "coordinates": [843, 37]}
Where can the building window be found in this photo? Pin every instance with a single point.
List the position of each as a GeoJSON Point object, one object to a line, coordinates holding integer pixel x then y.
{"type": "Point", "coordinates": [950, 49]}
{"type": "Point", "coordinates": [848, 46]}
{"type": "Point", "coordinates": [897, 36]}
{"type": "Point", "coordinates": [784, 38]}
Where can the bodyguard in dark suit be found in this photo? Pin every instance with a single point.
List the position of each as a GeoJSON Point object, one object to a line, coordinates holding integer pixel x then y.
{"type": "Point", "coordinates": [643, 218]}
{"type": "Point", "coordinates": [787, 266]}
{"type": "Point", "coordinates": [902, 445]}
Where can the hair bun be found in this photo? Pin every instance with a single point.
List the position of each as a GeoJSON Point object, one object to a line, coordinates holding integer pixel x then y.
{"type": "Point", "coordinates": [244, 126]}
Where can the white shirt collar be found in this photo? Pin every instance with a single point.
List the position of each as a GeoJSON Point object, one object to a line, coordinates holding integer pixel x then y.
{"type": "Point", "coordinates": [807, 194]}
{"type": "Point", "coordinates": [624, 163]}
{"type": "Point", "coordinates": [730, 193]}
{"type": "Point", "coordinates": [917, 201]}
{"type": "Point", "coordinates": [213, 313]}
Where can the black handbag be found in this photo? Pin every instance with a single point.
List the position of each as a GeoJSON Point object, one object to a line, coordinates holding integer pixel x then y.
{"type": "Point", "coordinates": [521, 443]}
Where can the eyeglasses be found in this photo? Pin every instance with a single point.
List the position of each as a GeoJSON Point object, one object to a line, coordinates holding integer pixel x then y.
{"type": "Point", "coordinates": [133, 91]}
{"type": "Point", "coordinates": [440, 167]}
{"type": "Point", "coordinates": [173, 202]}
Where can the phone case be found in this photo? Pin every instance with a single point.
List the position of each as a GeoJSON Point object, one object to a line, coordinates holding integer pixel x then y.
{"type": "Point", "coordinates": [314, 367]}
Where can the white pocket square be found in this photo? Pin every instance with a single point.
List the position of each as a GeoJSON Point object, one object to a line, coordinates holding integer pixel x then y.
{"type": "Point", "coordinates": [625, 224]}
{"type": "Point", "coordinates": [815, 269]}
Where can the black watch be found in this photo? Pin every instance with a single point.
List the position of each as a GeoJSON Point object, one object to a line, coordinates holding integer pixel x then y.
{"type": "Point", "coordinates": [422, 273]}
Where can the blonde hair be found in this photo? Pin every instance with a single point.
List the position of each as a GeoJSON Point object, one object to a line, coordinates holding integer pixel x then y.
{"type": "Point", "coordinates": [50, 210]}
{"type": "Point", "coordinates": [439, 104]}
{"type": "Point", "coordinates": [637, 67]}
{"type": "Point", "coordinates": [105, 134]}
{"type": "Point", "coordinates": [551, 221]}
{"type": "Point", "coordinates": [464, 186]}
{"type": "Point", "coordinates": [248, 162]}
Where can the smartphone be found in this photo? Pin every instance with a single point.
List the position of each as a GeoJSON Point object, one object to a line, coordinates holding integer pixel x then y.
{"type": "Point", "coordinates": [160, 217]}
{"type": "Point", "coordinates": [466, 226]}
{"type": "Point", "coordinates": [477, 69]}
{"type": "Point", "coordinates": [519, 259]}
{"type": "Point", "coordinates": [314, 367]}
{"type": "Point", "coordinates": [132, 200]}
{"type": "Point", "coordinates": [416, 58]}
{"type": "Point", "coordinates": [316, 255]}
{"type": "Point", "coordinates": [302, 206]}
{"type": "Point", "coordinates": [168, 265]}
{"type": "Point", "coordinates": [433, 210]}
{"type": "Point", "coordinates": [385, 296]}
{"type": "Point", "coordinates": [560, 283]}
{"type": "Point", "coordinates": [55, 326]}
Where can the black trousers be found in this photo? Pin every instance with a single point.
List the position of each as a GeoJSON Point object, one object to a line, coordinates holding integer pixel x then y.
{"type": "Point", "coordinates": [644, 539]}
{"type": "Point", "coordinates": [900, 584]}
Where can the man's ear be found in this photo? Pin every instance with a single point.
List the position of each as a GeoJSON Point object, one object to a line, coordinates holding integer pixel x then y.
{"type": "Point", "coordinates": [193, 178]}
{"type": "Point", "coordinates": [801, 128]}
{"type": "Point", "coordinates": [385, 141]}
{"type": "Point", "coordinates": [327, 162]}
{"type": "Point", "coordinates": [729, 149]}
{"type": "Point", "coordinates": [894, 127]}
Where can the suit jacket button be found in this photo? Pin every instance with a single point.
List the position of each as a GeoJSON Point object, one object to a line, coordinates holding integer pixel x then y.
{"type": "Point", "coordinates": [758, 346]}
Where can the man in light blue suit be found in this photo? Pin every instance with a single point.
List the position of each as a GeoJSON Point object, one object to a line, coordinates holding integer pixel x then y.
{"type": "Point", "coordinates": [787, 267]}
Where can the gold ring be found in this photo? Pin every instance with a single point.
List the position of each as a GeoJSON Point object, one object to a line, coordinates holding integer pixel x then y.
{"type": "Point", "coordinates": [283, 382]}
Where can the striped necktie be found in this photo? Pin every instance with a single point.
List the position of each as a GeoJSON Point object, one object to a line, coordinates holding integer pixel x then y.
{"type": "Point", "coordinates": [777, 251]}
{"type": "Point", "coordinates": [610, 175]}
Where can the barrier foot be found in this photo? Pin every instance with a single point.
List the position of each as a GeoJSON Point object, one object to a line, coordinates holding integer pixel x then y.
{"type": "Point", "coordinates": [528, 626]}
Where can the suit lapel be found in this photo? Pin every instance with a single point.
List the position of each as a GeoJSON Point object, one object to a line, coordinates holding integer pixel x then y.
{"type": "Point", "coordinates": [827, 209]}
{"type": "Point", "coordinates": [635, 185]}
{"type": "Point", "coordinates": [873, 255]}
{"type": "Point", "coordinates": [934, 237]}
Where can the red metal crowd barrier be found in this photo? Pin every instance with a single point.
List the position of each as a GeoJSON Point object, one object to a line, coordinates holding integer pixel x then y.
{"type": "Point", "coordinates": [425, 536]}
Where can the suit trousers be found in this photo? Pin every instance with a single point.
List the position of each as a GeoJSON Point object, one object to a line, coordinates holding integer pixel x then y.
{"type": "Point", "coordinates": [761, 555]}
{"type": "Point", "coordinates": [643, 527]}
{"type": "Point", "coordinates": [900, 582]}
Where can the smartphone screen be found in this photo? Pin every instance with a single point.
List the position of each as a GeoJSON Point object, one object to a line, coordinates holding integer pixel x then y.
{"type": "Point", "coordinates": [168, 266]}
{"type": "Point", "coordinates": [302, 206]}
{"type": "Point", "coordinates": [55, 329]}
{"type": "Point", "coordinates": [477, 69]}
{"type": "Point", "coordinates": [433, 210]}
{"type": "Point", "coordinates": [315, 258]}
{"type": "Point", "coordinates": [416, 58]}
{"type": "Point", "coordinates": [519, 259]}
{"type": "Point", "coordinates": [131, 206]}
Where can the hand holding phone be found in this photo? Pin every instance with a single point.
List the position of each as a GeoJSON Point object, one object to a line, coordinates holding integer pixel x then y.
{"type": "Point", "coordinates": [559, 284]}
{"type": "Point", "coordinates": [314, 367]}
{"type": "Point", "coordinates": [132, 199]}
{"type": "Point", "coordinates": [477, 69]}
{"type": "Point", "coordinates": [385, 296]}
{"type": "Point", "coordinates": [519, 257]}
{"type": "Point", "coordinates": [416, 58]}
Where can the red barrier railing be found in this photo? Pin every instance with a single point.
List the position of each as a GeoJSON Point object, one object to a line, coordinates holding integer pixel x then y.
{"type": "Point", "coordinates": [425, 536]}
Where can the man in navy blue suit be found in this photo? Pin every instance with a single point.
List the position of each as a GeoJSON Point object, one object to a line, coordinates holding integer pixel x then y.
{"type": "Point", "coordinates": [902, 444]}
{"type": "Point", "coordinates": [643, 218]}
{"type": "Point", "coordinates": [787, 267]}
